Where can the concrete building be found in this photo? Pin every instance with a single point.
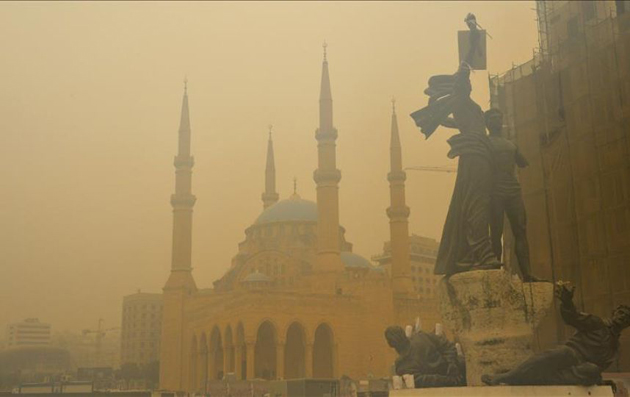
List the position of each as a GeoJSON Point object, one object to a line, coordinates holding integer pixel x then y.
{"type": "Point", "coordinates": [141, 328]}
{"type": "Point", "coordinates": [568, 109]}
{"type": "Point", "coordinates": [296, 301]}
{"type": "Point", "coordinates": [422, 256]}
{"type": "Point", "coordinates": [88, 349]}
{"type": "Point", "coordinates": [30, 332]}
{"type": "Point", "coordinates": [32, 364]}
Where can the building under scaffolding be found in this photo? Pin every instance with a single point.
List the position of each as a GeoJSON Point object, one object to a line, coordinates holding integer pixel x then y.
{"type": "Point", "coordinates": [568, 109]}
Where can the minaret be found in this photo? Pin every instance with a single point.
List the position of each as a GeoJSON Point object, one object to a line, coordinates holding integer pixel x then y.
{"type": "Point", "coordinates": [180, 283]}
{"type": "Point", "coordinates": [398, 214]}
{"type": "Point", "coordinates": [182, 202]}
{"type": "Point", "coordinates": [270, 196]}
{"type": "Point", "coordinates": [327, 178]}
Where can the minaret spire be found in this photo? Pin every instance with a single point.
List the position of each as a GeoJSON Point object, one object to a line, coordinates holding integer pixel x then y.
{"type": "Point", "coordinates": [398, 214]}
{"type": "Point", "coordinates": [180, 284]}
{"type": "Point", "coordinates": [270, 196]}
{"type": "Point", "coordinates": [327, 178]}
{"type": "Point", "coordinates": [182, 202]}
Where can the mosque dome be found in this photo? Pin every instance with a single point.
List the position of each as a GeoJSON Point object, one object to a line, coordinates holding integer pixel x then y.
{"type": "Point", "coordinates": [256, 277]}
{"type": "Point", "coordinates": [354, 261]}
{"type": "Point", "coordinates": [292, 209]}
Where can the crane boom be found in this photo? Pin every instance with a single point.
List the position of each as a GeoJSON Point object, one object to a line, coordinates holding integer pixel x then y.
{"type": "Point", "coordinates": [432, 169]}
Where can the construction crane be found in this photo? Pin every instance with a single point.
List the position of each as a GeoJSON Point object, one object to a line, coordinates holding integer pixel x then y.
{"type": "Point", "coordinates": [448, 170]}
{"type": "Point", "coordinates": [99, 334]}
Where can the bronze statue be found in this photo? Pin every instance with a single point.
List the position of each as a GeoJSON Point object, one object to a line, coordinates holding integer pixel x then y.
{"type": "Point", "coordinates": [506, 196]}
{"type": "Point", "coordinates": [431, 359]}
{"type": "Point", "coordinates": [581, 360]}
{"type": "Point", "coordinates": [465, 243]}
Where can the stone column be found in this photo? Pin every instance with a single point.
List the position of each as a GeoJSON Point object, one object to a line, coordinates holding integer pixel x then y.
{"type": "Point", "coordinates": [238, 362]}
{"type": "Point", "coordinates": [223, 364]}
{"type": "Point", "coordinates": [335, 358]}
{"type": "Point", "coordinates": [308, 358]}
{"type": "Point", "coordinates": [205, 360]}
{"type": "Point", "coordinates": [198, 371]}
{"type": "Point", "coordinates": [192, 370]}
{"type": "Point", "coordinates": [212, 367]}
{"type": "Point", "coordinates": [251, 347]}
{"type": "Point", "coordinates": [494, 317]}
{"type": "Point", "coordinates": [280, 359]}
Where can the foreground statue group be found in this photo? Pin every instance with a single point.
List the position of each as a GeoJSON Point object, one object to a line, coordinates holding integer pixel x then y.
{"type": "Point", "coordinates": [433, 360]}
{"type": "Point", "coordinates": [486, 189]}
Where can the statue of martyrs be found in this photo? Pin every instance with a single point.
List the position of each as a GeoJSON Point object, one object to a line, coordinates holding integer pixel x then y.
{"type": "Point", "coordinates": [581, 360]}
{"type": "Point", "coordinates": [431, 359]}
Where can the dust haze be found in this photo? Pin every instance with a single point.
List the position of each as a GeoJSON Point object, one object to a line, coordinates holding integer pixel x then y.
{"type": "Point", "coordinates": [91, 96]}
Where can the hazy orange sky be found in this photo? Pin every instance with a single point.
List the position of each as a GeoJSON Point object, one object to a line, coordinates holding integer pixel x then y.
{"type": "Point", "coordinates": [91, 94]}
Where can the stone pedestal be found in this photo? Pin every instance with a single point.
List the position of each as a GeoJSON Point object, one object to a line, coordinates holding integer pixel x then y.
{"type": "Point", "coordinates": [493, 316]}
{"type": "Point", "coordinates": [507, 391]}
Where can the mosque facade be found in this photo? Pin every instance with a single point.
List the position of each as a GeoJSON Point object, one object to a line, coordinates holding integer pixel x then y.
{"type": "Point", "coordinates": [296, 302]}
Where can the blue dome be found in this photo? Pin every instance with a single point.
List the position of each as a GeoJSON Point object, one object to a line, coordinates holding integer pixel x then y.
{"type": "Point", "coordinates": [291, 209]}
{"type": "Point", "coordinates": [355, 261]}
{"type": "Point", "coordinates": [256, 277]}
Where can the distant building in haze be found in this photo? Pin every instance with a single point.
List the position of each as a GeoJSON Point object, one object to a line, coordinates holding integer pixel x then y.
{"type": "Point", "coordinates": [30, 332]}
{"type": "Point", "coordinates": [422, 257]}
{"type": "Point", "coordinates": [141, 328]}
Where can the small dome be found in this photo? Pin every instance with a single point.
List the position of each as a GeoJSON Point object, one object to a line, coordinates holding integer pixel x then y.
{"type": "Point", "coordinates": [292, 209]}
{"type": "Point", "coordinates": [351, 260]}
{"type": "Point", "coordinates": [256, 277]}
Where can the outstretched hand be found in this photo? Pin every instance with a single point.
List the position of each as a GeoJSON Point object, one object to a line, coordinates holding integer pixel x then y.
{"type": "Point", "coordinates": [564, 291]}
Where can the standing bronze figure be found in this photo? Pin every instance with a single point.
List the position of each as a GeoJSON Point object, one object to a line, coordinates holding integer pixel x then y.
{"type": "Point", "coordinates": [506, 198]}
{"type": "Point", "coordinates": [465, 244]}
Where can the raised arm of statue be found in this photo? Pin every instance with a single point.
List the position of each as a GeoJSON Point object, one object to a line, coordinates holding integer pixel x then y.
{"type": "Point", "coordinates": [578, 320]}
{"type": "Point", "coordinates": [570, 314]}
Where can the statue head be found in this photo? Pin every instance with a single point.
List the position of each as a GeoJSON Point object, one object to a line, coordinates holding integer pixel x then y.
{"type": "Point", "coordinates": [621, 316]}
{"type": "Point", "coordinates": [396, 338]}
{"type": "Point", "coordinates": [494, 121]}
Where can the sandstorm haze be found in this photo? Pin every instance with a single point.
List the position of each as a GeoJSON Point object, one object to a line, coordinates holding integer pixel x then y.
{"type": "Point", "coordinates": [90, 99]}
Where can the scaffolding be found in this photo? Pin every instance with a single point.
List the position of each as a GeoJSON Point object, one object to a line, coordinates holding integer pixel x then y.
{"type": "Point", "coordinates": [567, 110]}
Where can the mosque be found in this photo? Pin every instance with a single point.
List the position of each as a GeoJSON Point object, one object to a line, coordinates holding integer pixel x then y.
{"type": "Point", "coordinates": [296, 302]}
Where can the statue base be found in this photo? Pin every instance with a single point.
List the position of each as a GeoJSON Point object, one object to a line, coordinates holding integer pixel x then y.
{"type": "Point", "coordinates": [493, 316]}
{"type": "Point", "coordinates": [507, 391]}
